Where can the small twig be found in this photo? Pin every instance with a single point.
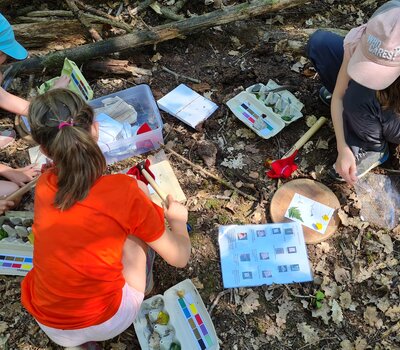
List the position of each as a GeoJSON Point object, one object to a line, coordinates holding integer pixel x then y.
{"type": "Point", "coordinates": [320, 340]}
{"type": "Point", "coordinates": [345, 255]}
{"type": "Point", "coordinates": [216, 300]}
{"type": "Point", "coordinates": [49, 13]}
{"type": "Point", "coordinates": [143, 5]}
{"type": "Point", "coordinates": [177, 76]}
{"type": "Point", "coordinates": [166, 12]}
{"type": "Point", "coordinates": [395, 171]}
{"type": "Point", "coordinates": [393, 329]}
{"type": "Point", "coordinates": [298, 295]}
{"type": "Point", "coordinates": [93, 10]}
{"type": "Point", "coordinates": [120, 8]}
{"type": "Point", "coordinates": [238, 59]}
{"type": "Point", "coordinates": [113, 23]}
{"type": "Point", "coordinates": [217, 178]}
{"type": "Point", "coordinates": [78, 14]}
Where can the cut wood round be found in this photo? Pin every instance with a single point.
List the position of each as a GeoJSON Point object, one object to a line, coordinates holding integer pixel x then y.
{"type": "Point", "coordinates": [310, 189]}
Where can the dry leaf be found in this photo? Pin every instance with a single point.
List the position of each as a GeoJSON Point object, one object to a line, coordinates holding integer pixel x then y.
{"type": "Point", "coordinates": [118, 346]}
{"type": "Point", "coordinates": [269, 295]}
{"type": "Point", "coordinates": [345, 300]}
{"type": "Point", "coordinates": [393, 313]}
{"type": "Point", "coordinates": [371, 316]}
{"type": "Point", "coordinates": [311, 120]}
{"type": "Point", "coordinates": [245, 133]}
{"type": "Point", "coordinates": [250, 302]}
{"type": "Point", "coordinates": [342, 276]}
{"type": "Point", "coordinates": [309, 334]}
{"type": "Point", "coordinates": [233, 53]}
{"type": "Point", "coordinates": [383, 304]}
{"type": "Point", "coordinates": [297, 67]}
{"type": "Point", "coordinates": [197, 283]}
{"type": "Point", "coordinates": [346, 345]}
{"type": "Point", "coordinates": [386, 240]}
{"type": "Point", "coordinates": [331, 290]}
{"type": "Point", "coordinates": [322, 312]}
{"type": "Point", "coordinates": [156, 57]}
{"type": "Point", "coordinates": [360, 344]}
{"type": "Point", "coordinates": [322, 144]}
{"type": "Point", "coordinates": [235, 40]}
{"type": "Point", "coordinates": [283, 311]}
{"type": "Point", "coordinates": [208, 94]}
{"type": "Point", "coordinates": [234, 163]}
{"type": "Point", "coordinates": [337, 314]}
{"type": "Point", "coordinates": [3, 327]}
{"type": "Point", "coordinates": [254, 175]}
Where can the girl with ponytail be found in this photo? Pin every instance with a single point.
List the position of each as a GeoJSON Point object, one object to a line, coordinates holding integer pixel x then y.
{"type": "Point", "coordinates": [95, 234]}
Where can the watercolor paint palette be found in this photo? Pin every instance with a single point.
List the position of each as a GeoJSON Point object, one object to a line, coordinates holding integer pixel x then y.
{"type": "Point", "coordinates": [176, 320]}
{"type": "Point", "coordinates": [264, 111]}
{"type": "Point", "coordinates": [16, 250]}
{"type": "Point", "coordinates": [254, 114]}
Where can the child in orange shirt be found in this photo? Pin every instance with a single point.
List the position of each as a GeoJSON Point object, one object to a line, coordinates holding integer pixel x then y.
{"type": "Point", "coordinates": [93, 232]}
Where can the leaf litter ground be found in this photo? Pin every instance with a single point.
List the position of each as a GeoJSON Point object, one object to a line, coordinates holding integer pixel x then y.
{"type": "Point", "coordinates": [354, 301]}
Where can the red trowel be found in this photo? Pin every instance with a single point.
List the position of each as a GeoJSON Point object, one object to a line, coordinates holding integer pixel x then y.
{"type": "Point", "coordinates": [285, 166]}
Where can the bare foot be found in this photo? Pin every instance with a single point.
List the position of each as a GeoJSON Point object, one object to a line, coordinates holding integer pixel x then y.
{"type": "Point", "coordinates": [61, 82]}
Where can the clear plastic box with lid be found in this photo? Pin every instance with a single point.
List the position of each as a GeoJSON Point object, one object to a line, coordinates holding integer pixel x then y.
{"type": "Point", "coordinates": [141, 98]}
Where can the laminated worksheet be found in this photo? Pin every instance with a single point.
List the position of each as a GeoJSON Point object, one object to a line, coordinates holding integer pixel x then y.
{"type": "Point", "coordinates": [253, 255]}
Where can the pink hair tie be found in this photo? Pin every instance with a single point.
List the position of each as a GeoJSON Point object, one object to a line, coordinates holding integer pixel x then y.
{"type": "Point", "coordinates": [62, 124]}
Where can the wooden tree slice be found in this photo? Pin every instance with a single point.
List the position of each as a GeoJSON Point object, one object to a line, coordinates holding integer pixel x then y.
{"type": "Point", "coordinates": [310, 189]}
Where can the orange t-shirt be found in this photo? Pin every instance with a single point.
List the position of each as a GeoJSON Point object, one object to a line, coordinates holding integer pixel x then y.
{"type": "Point", "coordinates": [77, 277]}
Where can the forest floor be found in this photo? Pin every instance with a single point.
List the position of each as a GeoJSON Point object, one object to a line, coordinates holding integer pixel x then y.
{"type": "Point", "coordinates": [357, 269]}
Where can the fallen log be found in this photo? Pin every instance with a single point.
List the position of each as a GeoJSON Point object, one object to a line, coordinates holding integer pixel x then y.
{"type": "Point", "coordinates": [51, 34]}
{"type": "Point", "coordinates": [157, 34]}
{"type": "Point", "coordinates": [116, 67]}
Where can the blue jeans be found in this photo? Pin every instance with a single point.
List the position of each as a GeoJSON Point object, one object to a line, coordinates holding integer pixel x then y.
{"type": "Point", "coordinates": [325, 51]}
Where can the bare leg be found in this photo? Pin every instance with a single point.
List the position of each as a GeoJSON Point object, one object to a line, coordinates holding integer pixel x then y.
{"type": "Point", "coordinates": [7, 187]}
{"type": "Point", "coordinates": [134, 261]}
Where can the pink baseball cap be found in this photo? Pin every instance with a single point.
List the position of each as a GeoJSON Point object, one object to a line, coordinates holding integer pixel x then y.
{"type": "Point", "coordinates": [375, 63]}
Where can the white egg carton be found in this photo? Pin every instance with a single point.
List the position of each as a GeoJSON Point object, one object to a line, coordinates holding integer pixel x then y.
{"type": "Point", "coordinates": [16, 251]}
{"type": "Point", "coordinates": [176, 320]}
{"type": "Point", "coordinates": [266, 112]}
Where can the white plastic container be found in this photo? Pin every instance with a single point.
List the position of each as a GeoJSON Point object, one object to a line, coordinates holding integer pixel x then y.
{"type": "Point", "coordinates": [189, 325]}
{"type": "Point", "coordinates": [141, 98]}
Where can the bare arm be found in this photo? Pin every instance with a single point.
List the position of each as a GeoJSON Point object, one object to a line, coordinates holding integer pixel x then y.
{"type": "Point", "coordinates": [345, 163]}
{"type": "Point", "coordinates": [174, 245]}
{"type": "Point", "coordinates": [13, 103]}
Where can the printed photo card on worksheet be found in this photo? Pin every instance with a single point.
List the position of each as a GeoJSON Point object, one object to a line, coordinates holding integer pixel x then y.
{"type": "Point", "coordinates": [253, 255]}
{"type": "Point", "coordinates": [309, 213]}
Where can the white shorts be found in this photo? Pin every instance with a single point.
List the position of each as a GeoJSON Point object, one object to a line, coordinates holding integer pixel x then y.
{"type": "Point", "coordinates": [126, 314]}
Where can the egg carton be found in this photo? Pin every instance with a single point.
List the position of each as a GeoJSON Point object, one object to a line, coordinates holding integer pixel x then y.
{"type": "Point", "coordinates": [282, 104]}
{"type": "Point", "coordinates": [16, 249]}
{"type": "Point", "coordinates": [177, 320]}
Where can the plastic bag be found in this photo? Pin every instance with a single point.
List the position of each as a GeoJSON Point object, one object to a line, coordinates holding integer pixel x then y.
{"type": "Point", "coordinates": [379, 196]}
{"type": "Point", "coordinates": [77, 84]}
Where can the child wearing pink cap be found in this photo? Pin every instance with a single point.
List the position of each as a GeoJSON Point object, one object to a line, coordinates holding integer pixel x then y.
{"type": "Point", "coordinates": [361, 81]}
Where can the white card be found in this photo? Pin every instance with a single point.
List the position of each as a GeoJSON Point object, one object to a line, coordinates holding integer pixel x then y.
{"type": "Point", "coordinates": [309, 213]}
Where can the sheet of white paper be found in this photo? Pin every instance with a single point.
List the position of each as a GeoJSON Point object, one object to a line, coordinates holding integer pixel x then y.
{"type": "Point", "coordinates": [187, 105]}
{"type": "Point", "coordinates": [310, 213]}
{"type": "Point", "coordinates": [253, 255]}
{"type": "Point", "coordinates": [37, 157]}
